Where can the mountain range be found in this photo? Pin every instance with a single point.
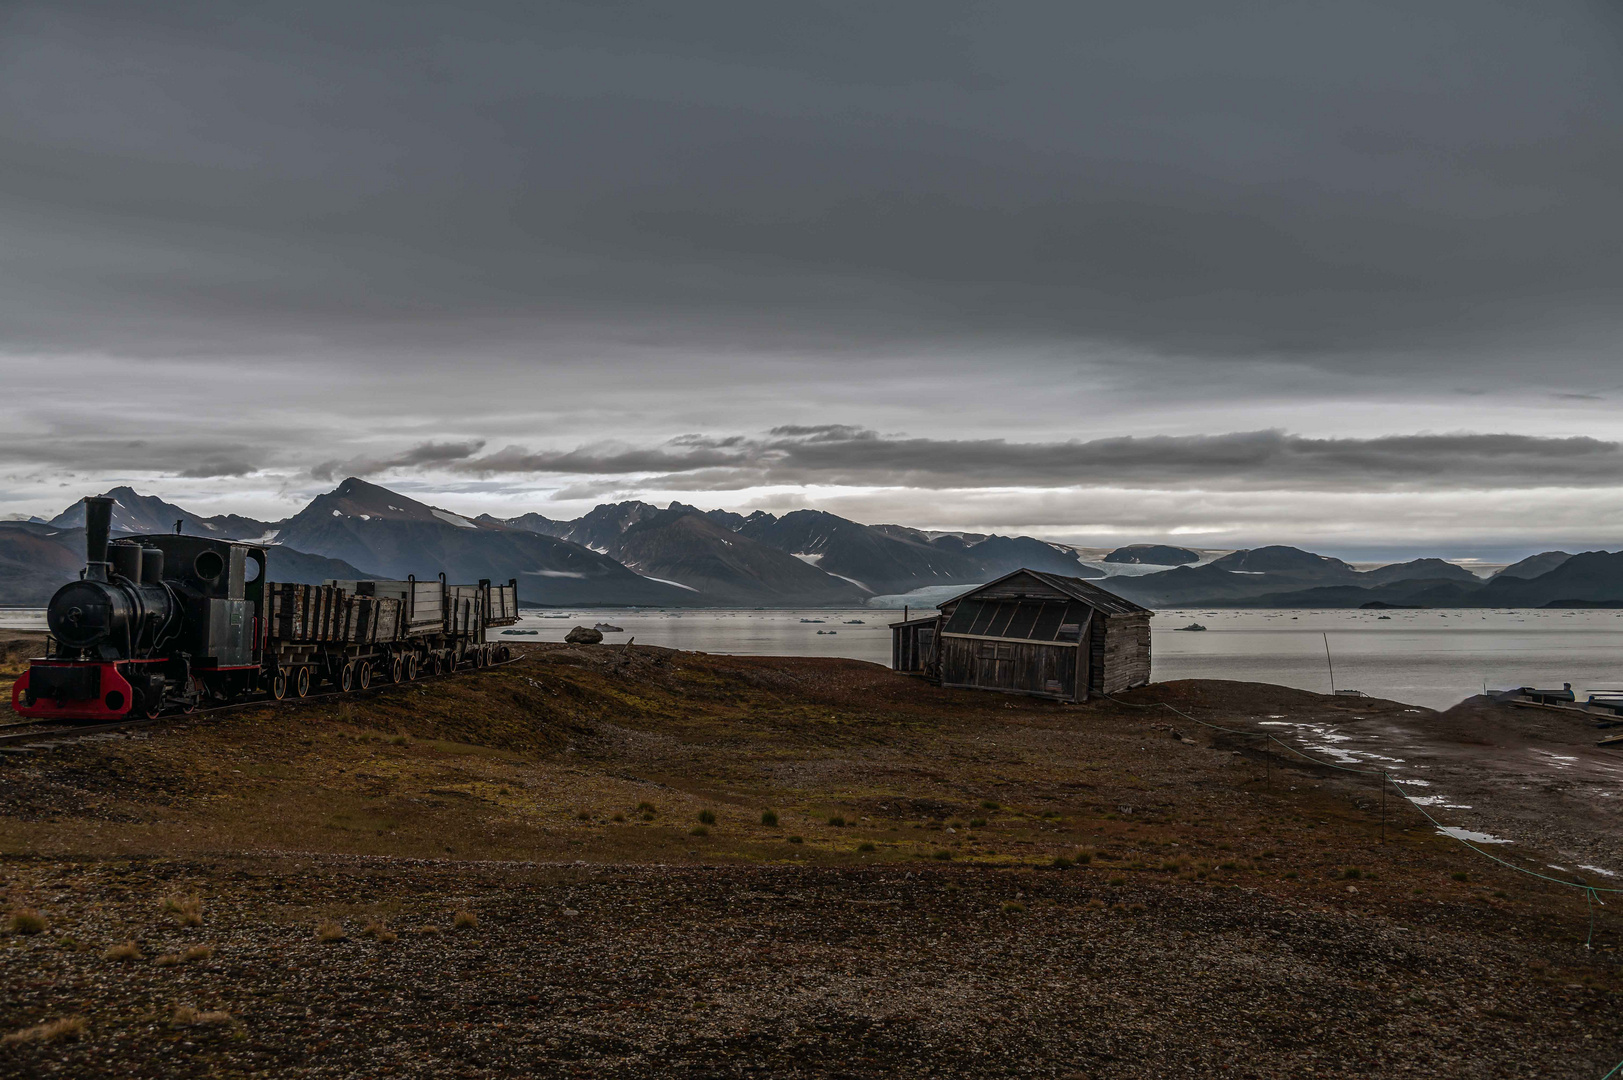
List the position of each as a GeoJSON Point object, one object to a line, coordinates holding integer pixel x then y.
{"type": "Point", "coordinates": [636, 553]}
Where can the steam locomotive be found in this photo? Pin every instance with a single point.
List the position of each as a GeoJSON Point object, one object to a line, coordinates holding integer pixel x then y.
{"type": "Point", "coordinates": [159, 623]}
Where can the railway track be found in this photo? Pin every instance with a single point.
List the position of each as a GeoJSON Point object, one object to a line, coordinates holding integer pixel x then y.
{"type": "Point", "coordinates": [24, 739]}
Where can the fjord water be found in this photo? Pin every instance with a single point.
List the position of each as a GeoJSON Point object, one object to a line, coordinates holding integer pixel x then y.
{"type": "Point", "coordinates": [1428, 658]}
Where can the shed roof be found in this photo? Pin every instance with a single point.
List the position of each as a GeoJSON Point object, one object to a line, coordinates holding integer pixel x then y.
{"type": "Point", "coordinates": [1072, 587]}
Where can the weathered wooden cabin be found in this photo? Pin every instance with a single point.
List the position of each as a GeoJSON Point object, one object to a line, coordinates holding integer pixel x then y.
{"type": "Point", "coordinates": [1030, 633]}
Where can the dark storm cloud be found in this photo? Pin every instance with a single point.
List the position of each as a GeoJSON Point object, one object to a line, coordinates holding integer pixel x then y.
{"type": "Point", "coordinates": [1310, 180]}
{"type": "Point", "coordinates": [427, 454]}
{"type": "Point", "coordinates": [843, 455]}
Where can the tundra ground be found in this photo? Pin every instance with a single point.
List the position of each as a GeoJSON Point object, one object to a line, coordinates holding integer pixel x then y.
{"type": "Point", "coordinates": [640, 863]}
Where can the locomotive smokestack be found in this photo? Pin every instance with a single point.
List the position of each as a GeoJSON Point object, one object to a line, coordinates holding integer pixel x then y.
{"type": "Point", "coordinates": [98, 523]}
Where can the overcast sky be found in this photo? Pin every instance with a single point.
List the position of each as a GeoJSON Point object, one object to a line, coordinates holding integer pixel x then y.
{"type": "Point", "coordinates": [1348, 275]}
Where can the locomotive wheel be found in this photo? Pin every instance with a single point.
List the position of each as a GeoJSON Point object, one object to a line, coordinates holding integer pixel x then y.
{"type": "Point", "coordinates": [396, 669]}
{"type": "Point", "coordinates": [346, 678]}
{"type": "Point", "coordinates": [301, 682]}
{"type": "Point", "coordinates": [411, 668]}
{"type": "Point", "coordinates": [439, 664]}
{"type": "Point", "coordinates": [279, 685]}
{"type": "Point", "coordinates": [150, 710]}
{"type": "Point", "coordinates": [363, 676]}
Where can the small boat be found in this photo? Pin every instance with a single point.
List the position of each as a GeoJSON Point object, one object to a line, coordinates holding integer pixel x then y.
{"type": "Point", "coordinates": [1191, 626]}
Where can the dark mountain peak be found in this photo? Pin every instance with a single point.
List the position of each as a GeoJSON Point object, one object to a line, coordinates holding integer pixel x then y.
{"type": "Point", "coordinates": [1153, 555]}
{"type": "Point", "coordinates": [355, 498]}
{"type": "Point", "coordinates": [137, 513]}
{"type": "Point", "coordinates": [1421, 569]}
{"type": "Point", "coordinates": [1275, 558]}
{"type": "Point", "coordinates": [726, 519]}
{"type": "Point", "coordinates": [1534, 565]}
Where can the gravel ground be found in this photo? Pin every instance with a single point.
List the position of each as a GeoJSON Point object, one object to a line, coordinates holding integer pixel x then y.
{"type": "Point", "coordinates": [751, 971]}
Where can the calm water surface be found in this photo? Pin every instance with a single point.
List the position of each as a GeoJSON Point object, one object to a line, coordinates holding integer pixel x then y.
{"type": "Point", "coordinates": [1430, 658]}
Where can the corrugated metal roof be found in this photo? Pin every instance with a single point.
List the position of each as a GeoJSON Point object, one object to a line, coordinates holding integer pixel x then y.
{"type": "Point", "coordinates": [1076, 588]}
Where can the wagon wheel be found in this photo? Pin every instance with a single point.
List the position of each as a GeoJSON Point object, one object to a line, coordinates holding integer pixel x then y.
{"type": "Point", "coordinates": [279, 685]}
{"type": "Point", "coordinates": [346, 678]}
{"type": "Point", "coordinates": [301, 682]}
{"type": "Point", "coordinates": [396, 669]}
{"type": "Point", "coordinates": [503, 654]}
{"type": "Point", "coordinates": [439, 664]}
{"type": "Point", "coordinates": [411, 668]}
{"type": "Point", "coordinates": [363, 676]}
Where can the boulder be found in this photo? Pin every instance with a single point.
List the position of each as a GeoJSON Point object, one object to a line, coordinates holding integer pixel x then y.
{"type": "Point", "coordinates": [584, 635]}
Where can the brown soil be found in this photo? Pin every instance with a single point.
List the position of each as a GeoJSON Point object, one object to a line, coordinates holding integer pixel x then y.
{"type": "Point", "coordinates": [1221, 925]}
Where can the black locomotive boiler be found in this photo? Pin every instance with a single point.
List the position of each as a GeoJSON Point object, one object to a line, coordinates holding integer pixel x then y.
{"type": "Point", "coordinates": [171, 622]}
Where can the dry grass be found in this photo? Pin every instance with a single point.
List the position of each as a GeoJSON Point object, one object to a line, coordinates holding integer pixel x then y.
{"type": "Point", "coordinates": [168, 960]}
{"type": "Point", "coordinates": [186, 1016]}
{"type": "Point", "coordinates": [329, 931]}
{"type": "Point", "coordinates": [465, 920]}
{"type": "Point", "coordinates": [430, 930]}
{"type": "Point", "coordinates": [68, 1027]}
{"type": "Point", "coordinates": [379, 930]}
{"type": "Point", "coordinates": [26, 921]}
{"type": "Point", "coordinates": [129, 950]}
{"type": "Point", "coordinates": [198, 952]}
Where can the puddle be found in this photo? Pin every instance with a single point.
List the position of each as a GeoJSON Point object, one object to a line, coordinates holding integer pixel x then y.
{"type": "Point", "coordinates": [1474, 837]}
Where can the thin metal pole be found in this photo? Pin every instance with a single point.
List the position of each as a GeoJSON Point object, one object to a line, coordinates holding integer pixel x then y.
{"type": "Point", "coordinates": [1328, 661]}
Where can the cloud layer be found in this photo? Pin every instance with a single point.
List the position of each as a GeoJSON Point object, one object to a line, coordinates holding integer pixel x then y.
{"type": "Point", "coordinates": [513, 252]}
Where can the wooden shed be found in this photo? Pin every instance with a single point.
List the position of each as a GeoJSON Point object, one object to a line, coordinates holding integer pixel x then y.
{"type": "Point", "coordinates": [1030, 633]}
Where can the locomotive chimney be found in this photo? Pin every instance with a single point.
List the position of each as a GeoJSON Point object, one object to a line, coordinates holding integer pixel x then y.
{"type": "Point", "coordinates": [98, 523]}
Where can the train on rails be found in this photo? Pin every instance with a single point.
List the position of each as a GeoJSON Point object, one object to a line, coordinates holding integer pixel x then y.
{"type": "Point", "coordinates": [167, 623]}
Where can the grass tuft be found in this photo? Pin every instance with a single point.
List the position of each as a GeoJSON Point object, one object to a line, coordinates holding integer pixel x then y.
{"type": "Point", "coordinates": [699, 830]}
{"type": "Point", "coordinates": [977, 823]}
{"type": "Point", "coordinates": [1013, 906]}
{"type": "Point", "coordinates": [169, 959]}
{"type": "Point", "coordinates": [943, 855]}
{"type": "Point", "coordinates": [867, 845]}
{"type": "Point", "coordinates": [464, 920]}
{"type": "Point", "coordinates": [68, 1027]}
{"type": "Point", "coordinates": [129, 950]}
{"type": "Point", "coordinates": [188, 910]}
{"type": "Point", "coordinates": [646, 808]}
{"type": "Point", "coordinates": [707, 817]}
{"type": "Point", "coordinates": [186, 1016]}
{"type": "Point", "coordinates": [988, 804]}
{"type": "Point", "coordinates": [329, 931]}
{"type": "Point", "coordinates": [26, 921]}
{"type": "Point", "coordinates": [1352, 873]}
{"type": "Point", "coordinates": [837, 821]}
{"type": "Point", "coordinates": [797, 839]}
{"type": "Point", "coordinates": [769, 818]}
{"type": "Point", "coordinates": [1062, 863]}
{"type": "Point", "coordinates": [1461, 875]}
{"type": "Point", "coordinates": [1083, 857]}
{"type": "Point", "coordinates": [197, 952]}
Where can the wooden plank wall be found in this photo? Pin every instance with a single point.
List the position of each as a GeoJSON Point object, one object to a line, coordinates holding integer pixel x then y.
{"type": "Point", "coordinates": [1126, 652]}
{"type": "Point", "coordinates": [1043, 669]}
